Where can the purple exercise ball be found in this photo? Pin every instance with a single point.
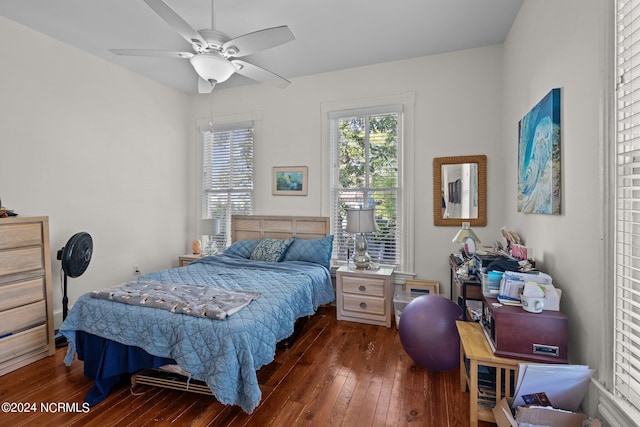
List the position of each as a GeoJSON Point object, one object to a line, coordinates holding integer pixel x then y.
{"type": "Point", "coordinates": [428, 332]}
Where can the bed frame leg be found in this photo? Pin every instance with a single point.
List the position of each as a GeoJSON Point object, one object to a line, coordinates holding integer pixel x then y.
{"type": "Point", "coordinates": [288, 342]}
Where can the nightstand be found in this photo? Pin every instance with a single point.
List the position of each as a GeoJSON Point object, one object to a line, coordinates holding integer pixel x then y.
{"type": "Point", "coordinates": [188, 259]}
{"type": "Point", "coordinates": [365, 296]}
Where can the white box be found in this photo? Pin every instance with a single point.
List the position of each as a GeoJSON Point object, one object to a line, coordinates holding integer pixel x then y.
{"type": "Point", "coordinates": [400, 300]}
{"type": "Point", "coordinates": [538, 416]}
{"type": "Point", "coordinates": [490, 288]}
{"type": "Point", "coordinates": [552, 298]}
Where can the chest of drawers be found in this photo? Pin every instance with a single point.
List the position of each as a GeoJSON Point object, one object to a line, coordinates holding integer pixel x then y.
{"type": "Point", "coordinates": [26, 312]}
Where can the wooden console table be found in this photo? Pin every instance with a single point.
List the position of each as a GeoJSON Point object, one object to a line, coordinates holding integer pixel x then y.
{"type": "Point", "coordinates": [474, 353]}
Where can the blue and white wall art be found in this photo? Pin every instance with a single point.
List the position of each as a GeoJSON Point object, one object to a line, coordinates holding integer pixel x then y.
{"type": "Point", "coordinates": [539, 157]}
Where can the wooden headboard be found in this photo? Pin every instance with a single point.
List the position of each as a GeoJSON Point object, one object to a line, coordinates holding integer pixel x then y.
{"type": "Point", "coordinates": [244, 227]}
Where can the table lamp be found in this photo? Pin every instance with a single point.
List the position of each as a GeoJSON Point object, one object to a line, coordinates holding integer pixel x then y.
{"type": "Point", "coordinates": [361, 221]}
{"type": "Point", "coordinates": [210, 228]}
{"type": "Point", "coordinates": [468, 238]}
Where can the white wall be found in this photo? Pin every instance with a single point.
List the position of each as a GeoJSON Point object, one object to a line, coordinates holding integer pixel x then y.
{"type": "Point", "coordinates": [560, 44]}
{"type": "Point", "coordinates": [96, 148]}
{"type": "Point", "coordinates": [457, 112]}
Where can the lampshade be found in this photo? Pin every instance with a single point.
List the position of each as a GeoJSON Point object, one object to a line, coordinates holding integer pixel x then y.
{"type": "Point", "coordinates": [212, 66]}
{"type": "Point", "coordinates": [465, 232]}
{"type": "Point", "coordinates": [210, 227]}
{"type": "Point", "coordinates": [361, 221]}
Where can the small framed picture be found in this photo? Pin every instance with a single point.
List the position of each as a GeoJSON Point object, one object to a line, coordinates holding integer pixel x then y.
{"type": "Point", "coordinates": [426, 287]}
{"type": "Point", "coordinates": [290, 181]}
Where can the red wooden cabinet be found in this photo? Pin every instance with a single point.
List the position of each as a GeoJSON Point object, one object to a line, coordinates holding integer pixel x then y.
{"type": "Point", "coordinates": [513, 332]}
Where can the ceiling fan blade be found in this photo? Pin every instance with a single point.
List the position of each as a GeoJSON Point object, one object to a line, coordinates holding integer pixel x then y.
{"type": "Point", "coordinates": [205, 86]}
{"type": "Point", "coordinates": [176, 22]}
{"type": "Point", "coordinates": [257, 41]}
{"type": "Point", "coordinates": [259, 74]}
{"type": "Point", "coordinates": [154, 53]}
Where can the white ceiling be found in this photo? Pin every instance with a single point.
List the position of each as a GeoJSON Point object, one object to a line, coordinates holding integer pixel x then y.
{"type": "Point", "coordinates": [330, 34]}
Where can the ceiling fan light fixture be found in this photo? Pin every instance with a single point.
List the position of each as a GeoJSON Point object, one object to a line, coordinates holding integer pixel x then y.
{"type": "Point", "coordinates": [211, 66]}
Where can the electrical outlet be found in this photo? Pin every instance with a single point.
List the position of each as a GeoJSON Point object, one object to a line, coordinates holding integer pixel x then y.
{"type": "Point", "coordinates": [136, 269]}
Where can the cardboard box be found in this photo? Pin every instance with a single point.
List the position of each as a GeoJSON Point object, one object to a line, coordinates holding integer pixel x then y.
{"type": "Point", "coordinates": [538, 416]}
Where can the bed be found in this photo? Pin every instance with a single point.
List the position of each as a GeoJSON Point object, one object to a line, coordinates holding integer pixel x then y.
{"type": "Point", "coordinates": [116, 339]}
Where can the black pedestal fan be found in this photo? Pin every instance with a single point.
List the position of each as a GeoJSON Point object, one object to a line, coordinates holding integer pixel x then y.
{"type": "Point", "coordinates": [75, 257]}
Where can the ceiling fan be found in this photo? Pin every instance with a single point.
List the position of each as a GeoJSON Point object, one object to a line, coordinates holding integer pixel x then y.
{"type": "Point", "coordinates": [214, 53]}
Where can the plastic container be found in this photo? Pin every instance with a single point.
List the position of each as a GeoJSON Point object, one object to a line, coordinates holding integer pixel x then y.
{"type": "Point", "coordinates": [400, 301]}
{"type": "Point", "coordinates": [491, 283]}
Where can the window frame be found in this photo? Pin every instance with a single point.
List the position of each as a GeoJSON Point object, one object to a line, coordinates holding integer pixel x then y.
{"type": "Point", "coordinates": [614, 408]}
{"type": "Point", "coordinates": [367, 190]}
{"type": "Point", "coordinates": [224, 123]}
{"type": "Point", "coordinates": [406, 100]}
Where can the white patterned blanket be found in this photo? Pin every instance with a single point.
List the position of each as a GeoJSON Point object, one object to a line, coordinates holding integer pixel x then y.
{"type": "Point", "coordinates": [195, 300]}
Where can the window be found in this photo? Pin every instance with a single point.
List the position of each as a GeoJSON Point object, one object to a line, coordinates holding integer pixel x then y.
{"type": "Point", "coordinates": [366, 172]}
{"type": "Point", "coordinates": [626, 161]}
{"type": "Point", "coordinates": [227, 174]}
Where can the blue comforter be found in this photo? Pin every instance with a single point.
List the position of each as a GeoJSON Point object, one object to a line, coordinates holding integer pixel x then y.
{"type": "Point", "coordinates": [224, 353]}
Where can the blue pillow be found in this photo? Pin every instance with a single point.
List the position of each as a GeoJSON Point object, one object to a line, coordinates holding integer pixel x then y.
{"type": "Point", "coordinates": [242, 248]}
{"type": "Point", "coordinates": [311, 250]}
{"type": "Point", "coordinates": [272, 250]}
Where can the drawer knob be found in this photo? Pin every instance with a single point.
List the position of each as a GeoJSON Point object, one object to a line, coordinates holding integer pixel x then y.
{"type": "Point", "coordinates": [363, 305]}
{"type": "Point", "coordinates": [362, 288]}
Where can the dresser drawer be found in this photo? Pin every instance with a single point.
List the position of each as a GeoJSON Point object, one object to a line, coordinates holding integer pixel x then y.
{"type": "Point", "coordinates": [22, 317]}
{"type": "Point", "coordinates": [20, 235]}
{"type": "Point", "coordinates": [21, 293]}
{"type": "Point", "coordinates": [362, 304]}
{"type": "Point", "coordinates": [363, 286]}
{"type": "Point", "coordinates": [20, 260]}
{"type": "Point", "coordinates": [23, 342]}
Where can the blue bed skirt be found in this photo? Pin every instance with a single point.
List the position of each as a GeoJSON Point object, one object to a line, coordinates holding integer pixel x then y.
{"type": "Point", "coordinates": [110, 363]}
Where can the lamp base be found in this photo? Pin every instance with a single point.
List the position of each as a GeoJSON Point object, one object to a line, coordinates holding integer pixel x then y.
{"type": "Point", "coordinates": [361, 259]}
{"type": "Point", "coordinates": [362, 265]}
{"type": "Point", "coordinates": [212, 247]}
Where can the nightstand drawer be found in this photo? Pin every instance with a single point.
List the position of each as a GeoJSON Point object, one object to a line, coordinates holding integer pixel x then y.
{"type": "Point", "coordinates": [363, 286]}
{"type": "Point", "coordinates": [364, 304]}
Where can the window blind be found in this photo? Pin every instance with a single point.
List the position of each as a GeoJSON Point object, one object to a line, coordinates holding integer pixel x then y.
{"type": "Point", "coordinates": [366, 171]}
{"type": "Point", "coordinates": [227, 174]}
{"type": "Point", "coordinates": [626, 370]}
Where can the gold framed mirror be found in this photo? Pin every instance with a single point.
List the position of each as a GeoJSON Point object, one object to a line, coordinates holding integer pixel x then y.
{"type": "Point", "coordinates": [460, 190]}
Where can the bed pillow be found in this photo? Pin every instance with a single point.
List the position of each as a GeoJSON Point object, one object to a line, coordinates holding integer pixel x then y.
{"type": "Point", "coordinates": [272, 250]}
{"type": "Point", "coordinates": [311, 250]}
{"type": "Point", "coordinates": [242, 248]}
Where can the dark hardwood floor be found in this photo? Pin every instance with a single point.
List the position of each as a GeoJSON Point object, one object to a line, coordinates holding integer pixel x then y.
{"type": "Point", "coordinates": [337, 374]}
